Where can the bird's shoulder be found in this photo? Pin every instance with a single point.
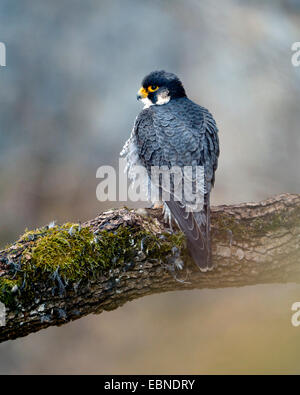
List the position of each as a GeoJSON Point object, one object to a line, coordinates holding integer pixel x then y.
{"type": "Point", "coordinates": [178, 113]}
{"type": "Point", "coordinates": [180, 132]}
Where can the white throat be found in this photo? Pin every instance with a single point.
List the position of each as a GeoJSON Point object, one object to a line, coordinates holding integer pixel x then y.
{"type": "Point", "coordinates": [162, 98]}
{"type": "Point", "coordinates": [147, 102]}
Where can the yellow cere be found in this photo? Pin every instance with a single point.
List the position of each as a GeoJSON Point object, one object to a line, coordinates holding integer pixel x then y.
{"type": "Point", "coordinates": [143, 92]}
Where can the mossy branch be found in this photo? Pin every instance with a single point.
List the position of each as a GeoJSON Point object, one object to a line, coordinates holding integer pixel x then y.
{"type": "Point", "coordinates": [56, 274]}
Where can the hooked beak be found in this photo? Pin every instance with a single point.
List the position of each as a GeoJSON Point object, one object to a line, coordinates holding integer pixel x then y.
{"type": "Point", "coordinates": [142, 94]}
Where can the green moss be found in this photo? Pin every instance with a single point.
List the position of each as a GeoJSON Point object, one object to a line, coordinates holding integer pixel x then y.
{"type": "Point", "coordinates": [31, 235]}
{"type": "Point", "coordinates": [159, 248]}
{"type": "Point", "coordinates": [60, 256]}
{"type": "Point", "coordinates": [8, 290]}
{"type": "Point", "coordinates": [71, 250]}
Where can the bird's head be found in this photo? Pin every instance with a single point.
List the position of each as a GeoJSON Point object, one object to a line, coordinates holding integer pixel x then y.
{"type": "Point", "coordinates": [159, 87]}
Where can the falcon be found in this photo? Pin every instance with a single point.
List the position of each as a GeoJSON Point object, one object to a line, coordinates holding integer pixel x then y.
{"type": "Point", "coordinates": [173, 132]}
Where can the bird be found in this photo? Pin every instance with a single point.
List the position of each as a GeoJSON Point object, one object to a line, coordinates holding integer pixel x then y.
{"type": "Point", "coordinates": [170, 132]}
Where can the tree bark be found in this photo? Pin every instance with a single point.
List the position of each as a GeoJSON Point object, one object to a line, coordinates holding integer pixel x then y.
{"type": "Point", "coordinates": [253, 243]}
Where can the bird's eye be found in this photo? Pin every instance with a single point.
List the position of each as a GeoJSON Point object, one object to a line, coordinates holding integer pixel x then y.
{"type": "Point", "coordinates": [152, 88]}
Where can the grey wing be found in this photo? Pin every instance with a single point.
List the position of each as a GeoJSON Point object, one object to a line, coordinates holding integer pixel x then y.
{"type": "Point", "coordinates": [182, 134]}
{"type": "Point", "coordinates": [178, 134]}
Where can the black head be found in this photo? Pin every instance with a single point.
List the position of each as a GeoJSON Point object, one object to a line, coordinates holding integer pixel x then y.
{"type": "Point", "coordinates": [159, 87]}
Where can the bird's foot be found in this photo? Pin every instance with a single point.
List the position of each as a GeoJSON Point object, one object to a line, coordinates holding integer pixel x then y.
{"type": "Point", "coordinates": [158, 205]}
{"type": "Point", "coordinates": [167, 215]}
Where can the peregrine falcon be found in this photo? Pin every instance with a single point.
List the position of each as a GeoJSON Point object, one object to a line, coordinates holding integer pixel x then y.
{"type": "Point", "coordinates": [174, 132]}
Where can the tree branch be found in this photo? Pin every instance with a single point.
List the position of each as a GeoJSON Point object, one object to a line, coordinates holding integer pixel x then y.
{"type": "Point", "coordinates": [60, 273]}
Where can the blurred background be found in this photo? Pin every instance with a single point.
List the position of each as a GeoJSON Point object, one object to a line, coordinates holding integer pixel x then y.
{"type": "Point", "coordinates": [67, 104]}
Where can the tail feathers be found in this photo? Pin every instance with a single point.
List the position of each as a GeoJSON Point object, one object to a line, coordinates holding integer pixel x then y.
{"type": "Point", "coordinates": [196, 226]}
{"type": "Point", "coordinates": [201, 256]}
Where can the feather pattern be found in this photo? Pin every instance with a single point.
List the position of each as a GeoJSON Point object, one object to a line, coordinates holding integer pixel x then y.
{"type": "Point", "coordinates": [179, 134]}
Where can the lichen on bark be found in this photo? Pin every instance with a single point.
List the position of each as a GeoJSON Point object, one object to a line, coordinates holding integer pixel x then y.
{"type": "Point", "coordinates": [62, 256]}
